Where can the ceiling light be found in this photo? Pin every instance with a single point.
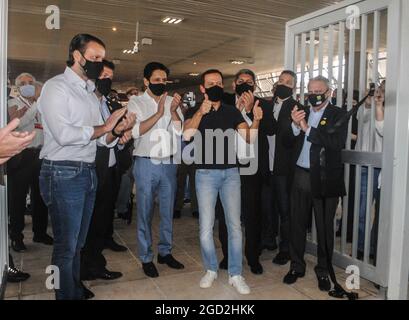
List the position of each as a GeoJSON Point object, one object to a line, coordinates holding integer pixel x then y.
{"type": "Point", "coordinates": [114, 29]}
{"type": "Point", "coordinates": [238, 62]}
{"type": "Point", "coordinates": [172, 20]}
{"type": "Point", "coordinates": [194, 74]}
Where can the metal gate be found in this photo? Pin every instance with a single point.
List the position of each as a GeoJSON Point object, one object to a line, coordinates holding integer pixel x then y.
{"type": "Point", "coordinates": [3, 122]}
{"type": "Point", "coordinates": [346, 43]}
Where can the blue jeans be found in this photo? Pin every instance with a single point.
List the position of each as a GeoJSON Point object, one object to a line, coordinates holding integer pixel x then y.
{"type": "Point", "coordinates": [151, 180]}
{"type": "Point", "coordinates": [68, 189]}
{"type": "Point", "coordinates": [226, 183]}
{"type": "Point", "coordinates": [363, 200]}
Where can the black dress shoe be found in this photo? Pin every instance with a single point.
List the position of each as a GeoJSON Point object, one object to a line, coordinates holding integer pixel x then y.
{"type": "Point", "coordinates": [171, 262]}
{"type": "Point", "coordinates": [177, 214]}
{"type": "Point", "coordinates": [150, 270]}
{"type": "Point", "coordinates": [224, 264]}
{"type": "Point", "coordinates": [88, 294]}
{"type": "Point", "coordinates": [113, 246]}
{"type": "Point", "coordinates": [292, 277]}
{"type": "Point", "coordinates": [270, 246]}
{"type": "Point", "coordinates": [282, 258]}
{"type": "Point", "coordinates": [44, 239]}
{"type": "Point", "coordinates": [16, 276]}
{"type": "Point", "coordinates": [257, 269]}
{"type": "Point", "coordinates": [18, 246]}
{"type": "Point", "coordinates": [324, 284]}
{"type": "Point", "coordinates": [103, 275]}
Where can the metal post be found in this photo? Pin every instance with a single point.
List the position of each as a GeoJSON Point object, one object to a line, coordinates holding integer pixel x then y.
{"type": "Point", "coordinates": [3, 122]}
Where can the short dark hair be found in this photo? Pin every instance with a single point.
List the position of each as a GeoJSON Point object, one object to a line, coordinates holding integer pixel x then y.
{"type": "Point", "coordinates": [152, 67]}
{"type": "Point", "coordinates": [245, 71]}
{"type": "Point", "coordinates": [211, 71]}
{"type": "Point", "coordinates": [109, 64]}
{"type": "Point", "coordinates": [80, 43]}
{"type": "Point", "coordinates": [292, 74]}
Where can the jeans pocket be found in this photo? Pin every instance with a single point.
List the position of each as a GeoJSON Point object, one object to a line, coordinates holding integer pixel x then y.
{"type": "Point", "coordinates": [45, 182]}
{"type": "Point", "coordinates": [66, 173]}
{"type": "Point", "coordinates": [203, 172]}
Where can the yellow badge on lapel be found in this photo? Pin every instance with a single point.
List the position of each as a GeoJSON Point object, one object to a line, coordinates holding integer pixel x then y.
{"type": "Point", "coordinates": [324, 122]}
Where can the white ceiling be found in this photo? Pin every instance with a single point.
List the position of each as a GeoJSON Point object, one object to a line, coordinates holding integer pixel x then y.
{"type": "Point", "coordinates": [213, 33]}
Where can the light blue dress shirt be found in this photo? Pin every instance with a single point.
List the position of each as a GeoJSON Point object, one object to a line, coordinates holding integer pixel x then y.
{"type": "Point", "coordinates": [313, 122]}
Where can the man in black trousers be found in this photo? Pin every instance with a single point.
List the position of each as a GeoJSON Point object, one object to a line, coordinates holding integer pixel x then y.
{"type": "Point", "coordinates": [252, 184]}
{"type": "Point", "coordinates": [281, 162]}
{"type": "Point", "coordinates": [318, 137]}
{"type": "Point", "coordinates": [93, 263]}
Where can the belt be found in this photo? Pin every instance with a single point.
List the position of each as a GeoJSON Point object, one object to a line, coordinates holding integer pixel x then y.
{"type": "Point", "coordinates": [304, 169]}
{"type": "Point", "coordinates": [70, 164]}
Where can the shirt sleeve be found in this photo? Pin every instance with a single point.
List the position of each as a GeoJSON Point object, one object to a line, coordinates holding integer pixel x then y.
{"type": "Point", "coordinates": [134, 108]}
{"type": "Point", "coordinates": [53, 106]}
{"type": "Point", "coordinates": [238, 118]}
{"type": "Point", "coordinates": [297, 131]}
{"type": "Point", "coordinates": [379, 125]}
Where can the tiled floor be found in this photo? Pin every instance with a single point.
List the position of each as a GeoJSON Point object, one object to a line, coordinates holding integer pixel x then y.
{"type": "Point", "coordinates": [173, 285]}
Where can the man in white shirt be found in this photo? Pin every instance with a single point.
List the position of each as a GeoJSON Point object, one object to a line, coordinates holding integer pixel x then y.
{"type": "Point", "coordinates": [24, 169]}
{"type": "Point", "coordinates": [72, 124]}
{"type": "Point", "coordinates": [156, 133]}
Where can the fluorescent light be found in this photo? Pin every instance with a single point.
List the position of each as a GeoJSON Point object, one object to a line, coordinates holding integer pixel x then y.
{"type": "Point", "coordinates": [172, 20]}
{"type": "Point", "coordinates": [239, 62]}
{"type": "Point", "coordinates": [193, 74]}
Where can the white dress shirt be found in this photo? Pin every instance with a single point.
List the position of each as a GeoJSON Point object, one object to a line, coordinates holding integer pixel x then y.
{"type": "Point", "coordinates": [313, 122]}
{"type": "Point", "coordinates": [162, 140]}
{"type": "Point", "coordinates": [70, 110]}
{"type": "Point", "coordinates": [363, 141]}
{"type": "Point", "coordinates": [31, 121]}
{"type": "Point", "coordinates": [245, 151]}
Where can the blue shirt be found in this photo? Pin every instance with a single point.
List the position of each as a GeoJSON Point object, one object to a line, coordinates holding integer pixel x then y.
{"type": "Point", "coordinates": [313, 122]}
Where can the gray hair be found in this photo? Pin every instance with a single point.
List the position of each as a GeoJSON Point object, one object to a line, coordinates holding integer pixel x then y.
{"type": "Point", "coordinates": [24, 74]}
{"type": "Point", "coordinates": [323, 80]}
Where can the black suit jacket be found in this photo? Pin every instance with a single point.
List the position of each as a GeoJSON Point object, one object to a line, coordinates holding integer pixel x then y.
{"type": "Point", "coordinates": [267, 128]}
{"type": "Point", "coordinates": [283, 151]}
{"type": "Point", "coordinates": [327, 168]}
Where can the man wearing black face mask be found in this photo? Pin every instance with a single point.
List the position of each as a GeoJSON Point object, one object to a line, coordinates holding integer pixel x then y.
{"type": "Point", "coordinates": [218, 174]}
{"type": "Point", "coordinates": [252, 185]}
{"type": "Point", "coordinates": [318, 179]}
{"type": "Point", "coordinates": [156, 139]}
{"type": "Point", "coordinates": [93, 263]}
{"type": "Point", "coordinates": [280, 166]}
{"type": "Point", "coordinates": [73, 124]}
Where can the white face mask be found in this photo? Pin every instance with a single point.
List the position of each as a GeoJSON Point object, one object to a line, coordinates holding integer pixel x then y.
{"type": "Point", "coordinates": [27, 91]}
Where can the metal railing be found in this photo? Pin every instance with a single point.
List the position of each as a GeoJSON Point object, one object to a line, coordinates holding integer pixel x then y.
{"type": "Point", "coordinates": [331, 34]}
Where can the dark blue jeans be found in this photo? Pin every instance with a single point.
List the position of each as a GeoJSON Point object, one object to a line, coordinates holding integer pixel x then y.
{"type": "Point", "coordinates": [68, 189]}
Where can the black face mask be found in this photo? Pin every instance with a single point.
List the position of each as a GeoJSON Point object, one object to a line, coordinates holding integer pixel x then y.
{"type": "Point", "coordinates": [104, 86]}
{"type": "Point", "coordinates": [283, 92]}
{"type": "Point", "coordinates": [244, 87]}
{"type": "Point", "coordinates": [215, 93]}
{"type": "Point", "coordinates": [317, 99]}
{"type": "Point", "coordinates": [93, 69]}
{"type": "Point", "coordinates": [157, 89]}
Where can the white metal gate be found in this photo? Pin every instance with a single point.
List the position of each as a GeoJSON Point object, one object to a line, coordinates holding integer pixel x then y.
{"type": "Point", "coordinates": [3, 121]}
{"type": "Point", "coordinates": [339, 41]}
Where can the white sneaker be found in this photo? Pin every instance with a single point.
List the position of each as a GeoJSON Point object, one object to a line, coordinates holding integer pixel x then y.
{"type": "Point", "coordinates": [208, 279]}
{"type": "Point", "coordinates": [239, 283]}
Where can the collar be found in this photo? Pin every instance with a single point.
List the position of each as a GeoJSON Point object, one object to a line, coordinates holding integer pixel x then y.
{"type": "Point", "coordinates": [321, 111]}
{"type": "Point", "coordinates": [74, 78]}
